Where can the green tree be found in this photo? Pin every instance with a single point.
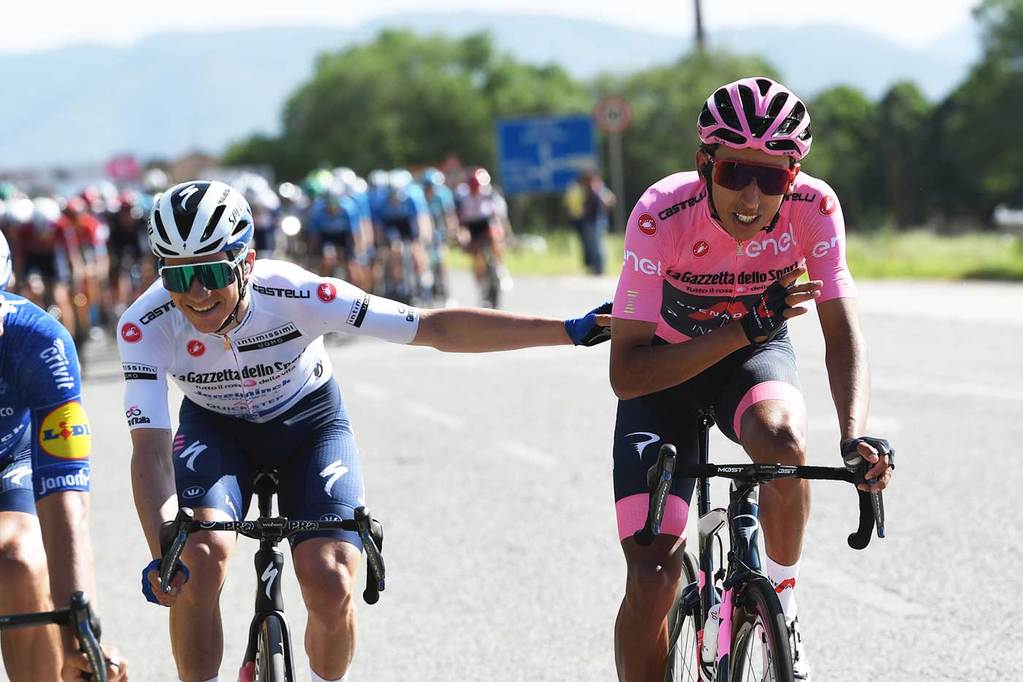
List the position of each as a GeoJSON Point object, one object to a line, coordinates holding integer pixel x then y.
{"type": "Point", "coordinates": [665, 103]}
{"type": "Point", "coordinates": [900, 154]}
{"type": "Point", "coordinates": [407, 100]}
{"type": "Point", "coordinates": [977, 128]}
{"type": "Point", "coordinates": [844, 126]}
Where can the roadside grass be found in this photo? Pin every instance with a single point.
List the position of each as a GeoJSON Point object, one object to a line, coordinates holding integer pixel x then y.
{"type": "Point", "coordinates": [924, 255]}
{"type": "Point", "coordinates": [876, 255]}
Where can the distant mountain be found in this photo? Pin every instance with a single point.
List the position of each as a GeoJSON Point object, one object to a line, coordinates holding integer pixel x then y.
{"type": "Point", "coordinates": [173, 92]}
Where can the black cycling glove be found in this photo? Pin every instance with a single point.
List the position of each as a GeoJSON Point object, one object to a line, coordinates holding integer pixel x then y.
{"type": "Point", "coordinates": [766, 319]}
{"type": "Point", "coordinates": [854, 461]}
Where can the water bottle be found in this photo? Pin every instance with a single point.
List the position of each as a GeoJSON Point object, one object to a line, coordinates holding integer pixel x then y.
{"type": "Point", "coordinates": [709, 648]}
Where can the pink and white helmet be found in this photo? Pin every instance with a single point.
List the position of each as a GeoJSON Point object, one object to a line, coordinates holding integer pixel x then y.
{"type": "Point", "coordinates": [756, 113]}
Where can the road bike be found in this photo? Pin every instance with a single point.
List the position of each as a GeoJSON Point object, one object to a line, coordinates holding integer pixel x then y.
{"type": "Point", "coordinates": [726, 623]}
{"type": "Point", "coordinates": [80, 617]}
{"type": "Point", "coordinates": [268, 655]}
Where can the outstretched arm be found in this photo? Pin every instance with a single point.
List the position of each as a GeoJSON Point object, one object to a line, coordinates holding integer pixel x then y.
{"type": "Point", "coordinates": [476, 330]}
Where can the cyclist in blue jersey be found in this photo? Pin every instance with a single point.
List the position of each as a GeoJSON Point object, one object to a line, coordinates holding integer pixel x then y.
{"type": "Point", "coordinates": [243, 339]}
{"type": "Point", "coordinates": [406, 222]}
{"type": "Point", "coordinates": [44, 487]}
{"type": "Point", "coordinates": [335, 227]}
{"type": "Point", "coordinates": [355, 188]}
{"type": "Point", "coordinates": [441, 202]}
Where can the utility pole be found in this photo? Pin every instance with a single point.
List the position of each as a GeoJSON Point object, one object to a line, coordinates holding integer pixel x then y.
{"type": "Point", "coordinates": [699, 26]}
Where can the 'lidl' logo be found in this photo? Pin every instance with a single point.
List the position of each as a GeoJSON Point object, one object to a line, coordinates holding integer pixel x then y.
{"type": "Point", "coordinates": [65, 432]}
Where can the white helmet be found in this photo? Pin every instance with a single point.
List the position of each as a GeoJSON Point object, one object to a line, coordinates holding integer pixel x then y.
{"type": "Point", "coordinates": [198, 218]}
{"type": "Point", "coordinates": [6, 267]}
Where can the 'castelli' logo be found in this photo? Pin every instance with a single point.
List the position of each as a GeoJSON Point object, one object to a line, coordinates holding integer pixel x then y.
{"type": "Point", "coordinates": [196, 348]}
{"type": "Point", "coordinates": [326, 292]}
{"type": "Point", "coordinates": [131, 333]}
{"type": "Point", "coordinates": [828, 204]}
{"type": "Point", "coordinates": [700, 248]}
{"type": "Point", "coordinates": [647, 225]}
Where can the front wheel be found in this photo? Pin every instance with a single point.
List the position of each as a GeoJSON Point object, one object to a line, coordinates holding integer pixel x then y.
{"type": "Point", "coordinates": [760, 641]}
{"type": "Point", "coordinates": [270, 663]}
{"type": "Point", "coordinates": [684, 630]}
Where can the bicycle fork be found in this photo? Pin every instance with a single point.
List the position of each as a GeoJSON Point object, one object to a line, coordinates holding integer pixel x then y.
{"type": "Point", "coordinates": [269, 564]}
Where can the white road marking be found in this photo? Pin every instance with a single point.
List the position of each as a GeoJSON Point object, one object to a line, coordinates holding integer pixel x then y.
{"type": "Point", "coordinates": [411, 408]}
{"type": "Point", "coordinates": [875, 423]}
{"type": "Point", "coordinates": [368, 390]}
{"type": "Point", "coordinates": [527, 454]}
{"type": "Point", "coordinates": [820, 574]}
{"type": "Point", "coordinates": [436, 416]}
{"type": "Point", "coordinates": [944, 388]}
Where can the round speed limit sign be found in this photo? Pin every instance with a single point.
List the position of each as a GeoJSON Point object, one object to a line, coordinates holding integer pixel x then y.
{"type": "Point", "coordinates": [612, 114]}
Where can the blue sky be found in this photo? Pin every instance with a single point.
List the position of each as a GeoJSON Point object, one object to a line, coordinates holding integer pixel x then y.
{"type": "Point", "coordinates": [32, 26]}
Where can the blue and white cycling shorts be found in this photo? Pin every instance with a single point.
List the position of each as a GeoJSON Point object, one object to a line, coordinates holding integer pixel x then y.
{"type": "Point", "coordinates": [16, 478]}
{"type": "Point", "coordinates": [216, 458]}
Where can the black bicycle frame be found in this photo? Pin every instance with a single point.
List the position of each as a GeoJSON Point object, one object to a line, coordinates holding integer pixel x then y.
{"type": "Point", "coordinates": [269, 561]}
{"type": "Point", "coordinates": [743, 517]}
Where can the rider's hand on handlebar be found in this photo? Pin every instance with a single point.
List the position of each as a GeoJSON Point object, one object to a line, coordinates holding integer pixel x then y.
{"type": "Point", "coordinates": [76, 666]}
{"type": "Point", "coordinates": [778, 303]}
{"type": "Point", "coordinates": [880, 459]}
{"type": "Point", "coordinates": [151, 583]}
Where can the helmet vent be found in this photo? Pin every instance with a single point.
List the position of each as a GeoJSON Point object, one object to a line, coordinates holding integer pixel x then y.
{"type": "Point", "coordinates": [209, 248]}
{"type": "Point", "coordinates": [763, 85]}
{"type": "Point", "coordinates": [729, 136]}
{"type": "Point", "coordinates": [793, 120]}
{"type": "Point", "coordinates": [212, 224]}
{"type": "Point", "coordinates": [777, 104]}
{"type": "Point", "coordinates": [706, 118]}
{"type": "Point", "coordinates": [783, 146]}
{"type": "Point", "coordinates": [725, 109]}
{"type": "Point", "coordinates": [160, 228]}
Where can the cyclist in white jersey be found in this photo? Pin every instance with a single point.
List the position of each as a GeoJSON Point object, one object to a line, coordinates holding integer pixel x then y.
{"type": "Point", "coordinates": [243, 341]}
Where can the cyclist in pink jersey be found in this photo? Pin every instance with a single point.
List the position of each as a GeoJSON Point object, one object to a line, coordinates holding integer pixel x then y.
{"type": "Point", "coordinates": [712, 257]}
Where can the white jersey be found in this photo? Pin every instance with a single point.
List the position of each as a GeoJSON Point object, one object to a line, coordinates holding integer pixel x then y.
{"type": "Point", "coordinates": [261, 367]}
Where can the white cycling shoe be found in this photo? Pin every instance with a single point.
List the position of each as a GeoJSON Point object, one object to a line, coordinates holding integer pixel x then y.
{"type": "Point", "coordinates": [800, 663]}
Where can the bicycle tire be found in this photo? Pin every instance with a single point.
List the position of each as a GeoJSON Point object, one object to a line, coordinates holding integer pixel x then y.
{"type": "Point", "coordinates": [492, 282]}
{"type": "Point", "coordinates": [270, 663]}
{"type": "Point", "coordinates": [759, 626]}
{"type": "Point", "coordinates": [683, 664]}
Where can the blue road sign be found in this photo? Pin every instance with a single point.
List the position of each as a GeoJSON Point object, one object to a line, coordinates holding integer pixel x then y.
{"type": "Point", "coordinates": [544, 154]}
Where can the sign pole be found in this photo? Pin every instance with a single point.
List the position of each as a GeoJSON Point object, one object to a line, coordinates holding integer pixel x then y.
{"type": "Point", "coordinates": [616, 159]}
{"type": "Point", "coordinates": [613, 115]}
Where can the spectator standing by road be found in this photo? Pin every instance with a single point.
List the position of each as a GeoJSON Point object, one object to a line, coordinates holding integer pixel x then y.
{"type": "Point", "coordinates": [597, 202]}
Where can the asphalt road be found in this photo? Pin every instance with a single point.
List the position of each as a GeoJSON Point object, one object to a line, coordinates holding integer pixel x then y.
{"type": "Point", "coordinates": [492, 475]}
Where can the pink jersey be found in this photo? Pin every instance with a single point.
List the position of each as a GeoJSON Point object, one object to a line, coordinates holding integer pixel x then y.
{"type": "Point", "coordinates": [683, 271]}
